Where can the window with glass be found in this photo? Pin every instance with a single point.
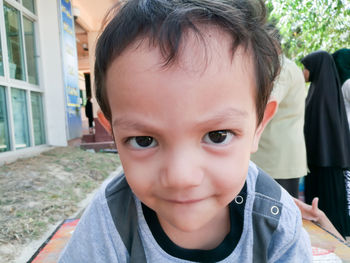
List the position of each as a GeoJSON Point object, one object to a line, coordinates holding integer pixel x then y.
{"type": "Point", "coordinates": [1, 61]}
{"type": "Point", "coordinates": [29, 4]}
{"type": "Point", "coordinates": [20, 118]}
{"type": "Point", "coordinates": [38, 118]}
{"type": "Point", "coordinates": [29, 39]}
{"type": "Point", "coordinates": [14, 42]}
{"type": "Point", "coordinates": [4, 131]}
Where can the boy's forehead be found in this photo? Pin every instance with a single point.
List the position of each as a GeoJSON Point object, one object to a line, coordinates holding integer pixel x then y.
{"type": "Point", "coordinates": [138, 79]}
{"type": "Point", "coordinates": [212, 48]}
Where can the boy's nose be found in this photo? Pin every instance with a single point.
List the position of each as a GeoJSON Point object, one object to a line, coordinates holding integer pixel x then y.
{"type": "Point", "coordinates": [181, 169]}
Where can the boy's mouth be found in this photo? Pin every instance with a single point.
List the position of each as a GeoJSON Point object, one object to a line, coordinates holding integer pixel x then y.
{"type": "Point", "coordinates": [185, 201]}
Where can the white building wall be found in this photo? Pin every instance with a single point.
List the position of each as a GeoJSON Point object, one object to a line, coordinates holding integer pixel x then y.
{"type": "Point", "coordinates": [51, 72]}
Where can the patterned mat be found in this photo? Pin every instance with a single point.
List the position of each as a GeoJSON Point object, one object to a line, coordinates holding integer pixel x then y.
{"type": "Point", "coordinates": [50, 250]}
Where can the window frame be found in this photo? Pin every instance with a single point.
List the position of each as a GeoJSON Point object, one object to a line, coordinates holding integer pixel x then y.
{"type": "Point", "coordinates": [27, 108]}
{"type": "Point", "coordinates": [33, 18]}
{"type": "Point", "coordinates": [36, 54]}
{"type": "Point", "coordinates": [43, 116]}
{"type": "Point", "coordinates": [2, 74]}
{"type": "Point", "coordinates": [6, 97]}
{"type": "Point", "coordinates": [9, 83]}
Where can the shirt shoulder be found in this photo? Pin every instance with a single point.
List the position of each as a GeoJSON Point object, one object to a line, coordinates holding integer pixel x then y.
{"type": "Point", "coordinates": [289, 241]}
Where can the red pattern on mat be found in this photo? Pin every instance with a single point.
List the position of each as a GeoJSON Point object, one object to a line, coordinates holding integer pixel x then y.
{"type": "Point", "coordinates": [50, 251]}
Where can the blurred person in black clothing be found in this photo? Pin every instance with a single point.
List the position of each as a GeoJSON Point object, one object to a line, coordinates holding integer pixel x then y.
{"type": "Point", "coordinates": [89, 114]}
{"type": "Point", "coordinates": [327, 140]}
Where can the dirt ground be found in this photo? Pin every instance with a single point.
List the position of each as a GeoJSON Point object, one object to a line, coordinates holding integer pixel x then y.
{"type": "Point", "coordinates": [40, 191]}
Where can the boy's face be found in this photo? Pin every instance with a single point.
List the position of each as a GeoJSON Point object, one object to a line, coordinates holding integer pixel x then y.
{"type": "Point", "coordinates": [185, 133]}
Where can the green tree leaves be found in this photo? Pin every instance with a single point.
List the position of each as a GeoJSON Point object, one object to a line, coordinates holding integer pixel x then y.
{"type": "Point", "coordinates": [309, 25]}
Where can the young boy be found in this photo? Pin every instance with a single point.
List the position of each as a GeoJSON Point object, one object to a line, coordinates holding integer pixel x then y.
{"type": "Point", "coordinates": [185, 85]}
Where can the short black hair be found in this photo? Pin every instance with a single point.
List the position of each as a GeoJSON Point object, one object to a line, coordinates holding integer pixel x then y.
{"type": "Point", "coordinates": [164, 22]}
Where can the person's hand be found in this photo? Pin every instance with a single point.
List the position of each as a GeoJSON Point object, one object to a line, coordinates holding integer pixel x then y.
{"type": "Point", "coordinates": [313, 213]}
{"type": "Point", "coordinates": [309, 212]}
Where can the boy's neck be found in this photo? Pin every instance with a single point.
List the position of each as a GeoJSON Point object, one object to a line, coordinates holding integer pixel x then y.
{"type": "Point", "coordinates": [206, 238]}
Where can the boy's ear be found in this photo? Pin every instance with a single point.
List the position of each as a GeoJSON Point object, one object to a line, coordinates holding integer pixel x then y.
{"type": "Point", "coordinates": [269, 112]}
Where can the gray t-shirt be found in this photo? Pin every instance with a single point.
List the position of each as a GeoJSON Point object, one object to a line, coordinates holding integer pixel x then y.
{"type": "Point", "coordinates": [96, 238]}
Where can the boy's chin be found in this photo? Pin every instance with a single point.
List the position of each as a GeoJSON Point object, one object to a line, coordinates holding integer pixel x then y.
{"type": "Point", "coordinates": [195, 232]}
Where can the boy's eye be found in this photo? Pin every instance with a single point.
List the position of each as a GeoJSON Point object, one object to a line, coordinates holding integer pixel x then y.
{"type": "Point", "coordinates": [218, 137]}
{"type": "Point", "coordinates": [142, 142]}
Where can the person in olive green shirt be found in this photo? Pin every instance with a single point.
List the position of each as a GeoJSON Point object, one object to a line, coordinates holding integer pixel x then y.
{"type": "Point", "coordinates": [282, 152]}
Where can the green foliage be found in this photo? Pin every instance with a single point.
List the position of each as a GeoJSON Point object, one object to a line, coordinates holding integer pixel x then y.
{"type": "Point", "coordinates": [310, 25]}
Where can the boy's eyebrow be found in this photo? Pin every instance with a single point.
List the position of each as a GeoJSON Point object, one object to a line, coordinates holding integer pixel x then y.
{"type": "Point", "coordinates": [229, 113]}
{"type": "Point", "coordinates": [130, 124]}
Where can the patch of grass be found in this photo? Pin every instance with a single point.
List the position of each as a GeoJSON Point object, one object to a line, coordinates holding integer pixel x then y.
{"type": "Point", "coordinates": [54, 196]}
{"type": "Point", "coordinates": [39, 224]}
{"type": "Point", "coordinates": [68, 169]}
{"type": "Point", "coordinates": [53, 183]}
{"type": "Point", "coordinates": [88, 185]}
{"type": "Point", "coordinates": [20, 214]}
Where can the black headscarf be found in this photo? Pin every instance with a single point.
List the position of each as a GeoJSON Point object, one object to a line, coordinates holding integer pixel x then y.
{"type": "Point", "coordinates": [342, 61]}
{"type": "Point", "coordinates": [326, 127]}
